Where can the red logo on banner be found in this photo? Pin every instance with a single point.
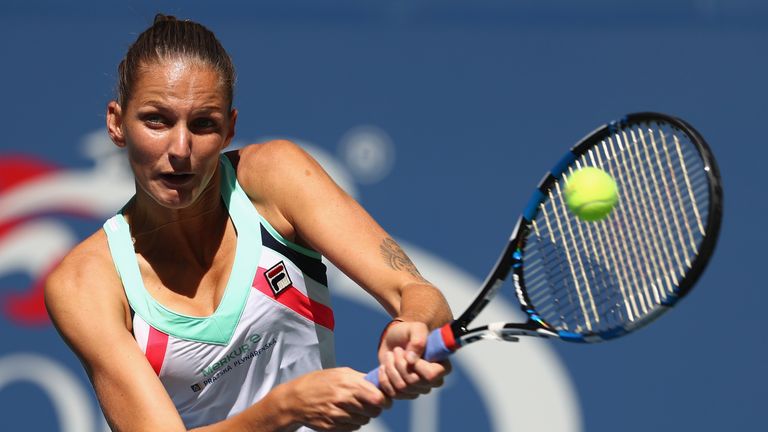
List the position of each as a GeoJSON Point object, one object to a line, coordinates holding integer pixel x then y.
{"type": "Point", "coordinates": [27, 307]}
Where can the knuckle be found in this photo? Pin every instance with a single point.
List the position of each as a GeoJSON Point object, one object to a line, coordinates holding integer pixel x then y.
{"type": "Point", "coordinates": [432, 375]}
{"type": "Point", "coordinates": [377, 400]}
{"type": "Point", "coordinates": [412, 379]}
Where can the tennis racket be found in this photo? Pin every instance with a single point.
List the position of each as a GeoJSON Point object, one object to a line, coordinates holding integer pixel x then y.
{"type": "Point", "coordinates": [595, 281]}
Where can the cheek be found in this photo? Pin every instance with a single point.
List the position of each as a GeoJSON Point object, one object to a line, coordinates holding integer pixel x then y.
{"type": "Point", "coordinates": [208, 162]}
{"type": "Point", "coordinates": [208, 145]}
{"type": "Point", "coordinates": [143, 148]}
{"type": "Point", "coordinates": [140, 155]}
{"type": "Point", "coordinates": [206, 149]}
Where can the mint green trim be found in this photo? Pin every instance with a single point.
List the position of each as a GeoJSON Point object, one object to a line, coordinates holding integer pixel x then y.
{"type": "Point", "coordinates": [219, 327]}
{"type": "Point", "coordinates": [298, 248]}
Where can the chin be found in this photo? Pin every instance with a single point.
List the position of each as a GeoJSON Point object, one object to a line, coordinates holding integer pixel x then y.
{"type": "Point", "coordinates": [174, 199]}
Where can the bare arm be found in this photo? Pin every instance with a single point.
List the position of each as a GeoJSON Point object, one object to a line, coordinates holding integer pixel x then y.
{"type": "Point", "coordinates": [84, 299]}
{"type": "Point", "coordinates": [82, 302]}
{"type": "Point", "coordinates": [308, 205]}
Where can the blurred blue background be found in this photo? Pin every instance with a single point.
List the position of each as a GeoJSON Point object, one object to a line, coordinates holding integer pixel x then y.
{"type": "Point", "coordinates": [439, 116]}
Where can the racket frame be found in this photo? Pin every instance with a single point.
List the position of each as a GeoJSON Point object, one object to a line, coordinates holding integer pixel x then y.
{"type": "Point", "coordinates": [511, 258]}
{"type": "Point", "coordinates": [444, 341]}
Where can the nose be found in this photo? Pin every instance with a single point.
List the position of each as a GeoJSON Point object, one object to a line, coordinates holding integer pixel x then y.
{"type": "Point", "coordinates": [180, 146]}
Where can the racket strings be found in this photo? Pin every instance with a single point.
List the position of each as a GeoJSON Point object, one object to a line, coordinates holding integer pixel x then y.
{"type": "Point", "coordinates": [594, 277]}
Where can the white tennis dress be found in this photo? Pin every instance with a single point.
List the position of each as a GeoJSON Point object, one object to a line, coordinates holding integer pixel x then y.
{"type": "Point", "coordinates": [274, 322]}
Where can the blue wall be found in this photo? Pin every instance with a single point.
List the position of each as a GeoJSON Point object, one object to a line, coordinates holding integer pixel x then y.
{"type": "Point", "coordinates": [469, 102]}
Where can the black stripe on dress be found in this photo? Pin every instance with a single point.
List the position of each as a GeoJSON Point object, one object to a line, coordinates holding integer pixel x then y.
{"type": "Point", "coordinates": [310, 266]}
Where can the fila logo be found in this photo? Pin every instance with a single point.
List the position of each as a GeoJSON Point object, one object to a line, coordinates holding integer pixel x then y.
{"type": "Point", "coordinates": [277, 277]}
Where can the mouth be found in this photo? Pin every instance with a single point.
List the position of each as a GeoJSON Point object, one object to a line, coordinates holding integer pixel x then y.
{"type": "Point", "coordinates": [176, 179]}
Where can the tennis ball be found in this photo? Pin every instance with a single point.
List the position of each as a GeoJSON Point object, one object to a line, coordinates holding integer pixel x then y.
{"type": "Point", "coordinates": [591, 193]}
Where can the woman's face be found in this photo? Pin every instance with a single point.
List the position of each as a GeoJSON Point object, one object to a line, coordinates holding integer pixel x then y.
{"type": "Point", "coordinates": [174, 126]}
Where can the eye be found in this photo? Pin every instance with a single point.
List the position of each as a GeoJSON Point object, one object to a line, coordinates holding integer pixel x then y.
{"type": "Point", "coordinates": [203, 124]}
{"type": "Point", "coordinates": [154, 120]}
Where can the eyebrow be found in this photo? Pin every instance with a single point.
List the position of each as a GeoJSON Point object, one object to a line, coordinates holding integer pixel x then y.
{"type": "Point", "coordinates": [162, 105]}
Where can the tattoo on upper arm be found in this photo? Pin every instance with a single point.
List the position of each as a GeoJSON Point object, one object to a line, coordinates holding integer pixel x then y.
{"type": "Point", "coordinates": [396, 258]}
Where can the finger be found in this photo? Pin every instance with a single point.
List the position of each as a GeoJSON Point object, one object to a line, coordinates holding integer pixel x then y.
{"type": "Point", "coordinates": [349, 415]}
{"type": "Point", "coordinates": [406, 369]}
{"type": "Point", "coordinates": [341, 427]}
{"type": "Point", "coordinates": [385, 384]}
{"type": "Point", "coordinates": [363, 407]}
{"type": "Point", "coordinates": [414, 384]}
{"type": "Point", "coordinates": [392, 370]}
{"type": "Point", "coordinates": [337, 418]}
{"type": "Point", "coordinates": [424, 376]}
{"type": "Point", "coordinates": [387, 403]}
{"type": "Point", "coordinates": [369, 402]}
{"type": "Point", "coordinates": [417, 340]}
{"type": "Point", "coordinates": [354, 419]}
{"type": "Point", "coordinates": [431, 373]}
{"type": "Point", "coordinates": [376, 398]}
{"type": "Point", "coordinates": [447, 365]}
{"type": "Point", "coordinates": [366, 412]}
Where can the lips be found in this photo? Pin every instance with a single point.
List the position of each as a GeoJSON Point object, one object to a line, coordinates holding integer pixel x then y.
{"type": "Point", "coordinates": [176, 179]}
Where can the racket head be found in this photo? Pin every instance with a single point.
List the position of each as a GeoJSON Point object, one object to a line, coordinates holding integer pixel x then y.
{"type": "Point", "coordinates": [594, 281]}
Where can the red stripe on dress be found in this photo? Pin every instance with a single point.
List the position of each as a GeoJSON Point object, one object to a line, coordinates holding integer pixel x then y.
{"type": "Point", "coordinates": [157, 344]}
{"type": "Point", "coordinates": [296, 301]}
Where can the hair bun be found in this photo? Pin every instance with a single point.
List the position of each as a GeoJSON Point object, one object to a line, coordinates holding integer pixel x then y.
{"type": "Point", "coordinates": [171, 39]}
{"type": "Point", "coordinates": [160, 18]}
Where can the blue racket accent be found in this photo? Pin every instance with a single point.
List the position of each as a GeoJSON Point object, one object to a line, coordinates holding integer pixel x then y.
{"type": "Point", "coordinates": [532, 208]}
{"type": "Point", "coordinates": [570, 336]}
{"type": "Point", "coordinates": [565, 161]}
{"type": "Point", "coordinates": [613, 333]}
{"type": "Point", "coordinates": [434, 351]}
{"type": "Point", "coordinates": [538, 196]}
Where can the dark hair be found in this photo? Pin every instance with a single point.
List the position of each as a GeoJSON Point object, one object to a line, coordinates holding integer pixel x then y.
{"type": "Point", "coordinates": [169, 38]}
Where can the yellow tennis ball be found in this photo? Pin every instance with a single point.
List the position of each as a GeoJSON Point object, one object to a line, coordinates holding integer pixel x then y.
{"type": "Point", "coordinates": [591, 193]}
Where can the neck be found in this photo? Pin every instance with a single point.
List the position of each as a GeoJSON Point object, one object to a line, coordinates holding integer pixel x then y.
{"type": "Point", "coordinates": [198, 228]}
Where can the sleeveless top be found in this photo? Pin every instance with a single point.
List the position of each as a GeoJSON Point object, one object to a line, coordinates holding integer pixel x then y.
{"type": "Point", "coordinates": [274, 322]}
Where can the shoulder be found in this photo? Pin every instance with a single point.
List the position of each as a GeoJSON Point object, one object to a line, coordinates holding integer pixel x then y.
{"type": "Point", "coordinates": [87, 261]}
{"type": "Point", "coordinates": [280, 157]}
{"type": "Point", "coordinates": [287, 186]}
{"type": "Point", "coordinates": [85, 283]}
{"type": "Point", "coordinates": [275, 169]}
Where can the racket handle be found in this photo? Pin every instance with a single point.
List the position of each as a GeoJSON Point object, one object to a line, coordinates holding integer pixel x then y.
{"type": "Point", "coordinates": [438, 348]}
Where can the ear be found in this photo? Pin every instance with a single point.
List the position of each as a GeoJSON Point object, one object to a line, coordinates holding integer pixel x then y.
{"type": "Point", "coordinates": [231, 132]}
{"type": "Point", "coordinates": [115, 123]}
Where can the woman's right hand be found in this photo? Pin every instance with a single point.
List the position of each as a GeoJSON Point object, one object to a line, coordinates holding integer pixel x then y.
{"type": "Point", "coordinates": [337, 399]}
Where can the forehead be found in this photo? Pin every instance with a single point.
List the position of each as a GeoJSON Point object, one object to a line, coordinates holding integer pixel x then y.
{"type": "Point", "coordinates": [179, 82]}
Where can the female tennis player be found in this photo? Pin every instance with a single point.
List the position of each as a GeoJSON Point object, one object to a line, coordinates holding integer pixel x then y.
{"type": "Point", "coordinates": [203, 303]}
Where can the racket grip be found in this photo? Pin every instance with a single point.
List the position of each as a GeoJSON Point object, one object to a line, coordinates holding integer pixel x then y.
{"type": "Point", "coordinates": [437, 349]}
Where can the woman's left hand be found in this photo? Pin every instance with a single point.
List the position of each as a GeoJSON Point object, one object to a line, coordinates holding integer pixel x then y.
{"type": "Point", "coordinates": [403, 373]}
